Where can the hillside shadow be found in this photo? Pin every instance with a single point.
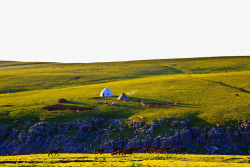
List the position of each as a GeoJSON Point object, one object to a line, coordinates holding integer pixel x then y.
{"type": "Point", "coordinates": [233, 87]}
{"type": "Point", "coordinates": [196, 121]}
{"type": "Point", "coordinates": [21, 64]}
{"type": "Point", "coordinates": [160, 71]}
{"type": "Point", "coordinates": [175, 70]}
{"type": "Point", "coordinates": [13, 91]}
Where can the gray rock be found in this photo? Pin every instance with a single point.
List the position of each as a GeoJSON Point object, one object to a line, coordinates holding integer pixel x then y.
{"type": "Point", "coordinates": [15, 122]}
{"type": "Point", "coordinates": [63, 128]}
{"type": "Point", "coordinates": [184, 123]}
{"type": "Point", "coordinates": [174, 123]}
{"type": "Point", "coordinates": [44, 136]}
{"type": "Point", "coordinates": [22, 136]}
{"type": "Point", "coordinates": [246, 125]}
{"type": "Point", "coordinates": [121, 129]}
{"type": "Point", "coordinates": [111, 126]}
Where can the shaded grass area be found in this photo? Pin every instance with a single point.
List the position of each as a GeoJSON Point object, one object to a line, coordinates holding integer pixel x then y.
{"type": "Point", "coordinates": [128, 160]}
{"type": "Point", "coordinates": [45, 76]}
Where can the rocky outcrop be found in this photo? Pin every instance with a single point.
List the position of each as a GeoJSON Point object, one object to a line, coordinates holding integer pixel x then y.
{"type": "Point", "coordinates": [85, 135]}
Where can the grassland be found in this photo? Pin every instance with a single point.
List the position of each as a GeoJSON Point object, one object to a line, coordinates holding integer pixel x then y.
{"type": "Point", "coordinates": [204, 88]}
{"type": "Point", "coordinates": [128, 160]}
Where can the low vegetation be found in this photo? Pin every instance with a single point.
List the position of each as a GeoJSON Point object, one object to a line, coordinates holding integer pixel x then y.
{"type": "Point", "coordinates": [140, 159]}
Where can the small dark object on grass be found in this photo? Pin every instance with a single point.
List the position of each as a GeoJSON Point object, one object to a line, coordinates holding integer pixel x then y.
{"type": "Point", "coordinates": [93, 98]}
{"type": "Point", "coordinates": [113, 104]}
{"type": "Point", "coordinates": [237, 95]}
{"type": "Point", "coordinates": [77, 77]}
{"type": "Point", "coordinates": [61, 100]}
{"type": "Point", "coordinates": [7, 105]}
{"type": "Point", "coordinates": [54, 151]}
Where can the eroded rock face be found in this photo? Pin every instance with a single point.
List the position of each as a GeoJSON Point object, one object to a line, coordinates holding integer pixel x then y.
{"type": "Point", "coordinates": [186, 137]}
{"type": "Point", "coordinates": [86, 135]}
{"type": "Point", "coordinates": [5, 130]}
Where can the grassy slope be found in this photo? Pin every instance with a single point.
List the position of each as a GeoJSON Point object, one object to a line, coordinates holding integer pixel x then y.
{"type": "Point", "coordinates": [128, 160]}
{"type": "Point", "coordinates": [16, 76]}
{"type": "Point", "coordinates": [205, 89]}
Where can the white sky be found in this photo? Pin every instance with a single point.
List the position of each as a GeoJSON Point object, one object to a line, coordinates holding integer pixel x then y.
{"type": "Point", "coordinates": [115, 30]}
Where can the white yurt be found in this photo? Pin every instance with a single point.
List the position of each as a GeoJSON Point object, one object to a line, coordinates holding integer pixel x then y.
{"type": "Point", "coordinates": [106, 92]}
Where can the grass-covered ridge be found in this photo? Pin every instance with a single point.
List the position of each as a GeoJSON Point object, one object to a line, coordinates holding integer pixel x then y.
{"type": "Point", "coordinates": [204, 88]}
{"type": "Point", "coordinates": [20, 76]}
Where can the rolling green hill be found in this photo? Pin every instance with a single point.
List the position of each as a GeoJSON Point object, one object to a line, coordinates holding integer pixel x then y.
{"type": "Point", "coordinates": [204, 88]}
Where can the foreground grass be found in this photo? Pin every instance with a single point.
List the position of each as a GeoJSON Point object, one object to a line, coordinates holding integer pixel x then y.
{"type": "Point", "coordinates": [140, 159]}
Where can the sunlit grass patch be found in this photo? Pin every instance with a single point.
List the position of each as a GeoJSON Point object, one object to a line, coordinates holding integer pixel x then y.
{"type": "Point", "coordinates": [128, 160]}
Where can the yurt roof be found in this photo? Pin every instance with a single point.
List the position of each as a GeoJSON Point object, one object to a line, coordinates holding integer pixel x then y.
{"type": "Point", "coordinates": [106, 92]}
{"type": "Point", "coordinates": [123, 96]}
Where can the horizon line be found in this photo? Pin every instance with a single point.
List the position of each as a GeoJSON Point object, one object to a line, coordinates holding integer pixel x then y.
{"type": "Point", "coordinates": [122, 60]}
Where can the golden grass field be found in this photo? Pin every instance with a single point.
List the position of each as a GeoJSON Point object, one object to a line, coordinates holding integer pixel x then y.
{"type": "Point", "coordinates": [139, 159]}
